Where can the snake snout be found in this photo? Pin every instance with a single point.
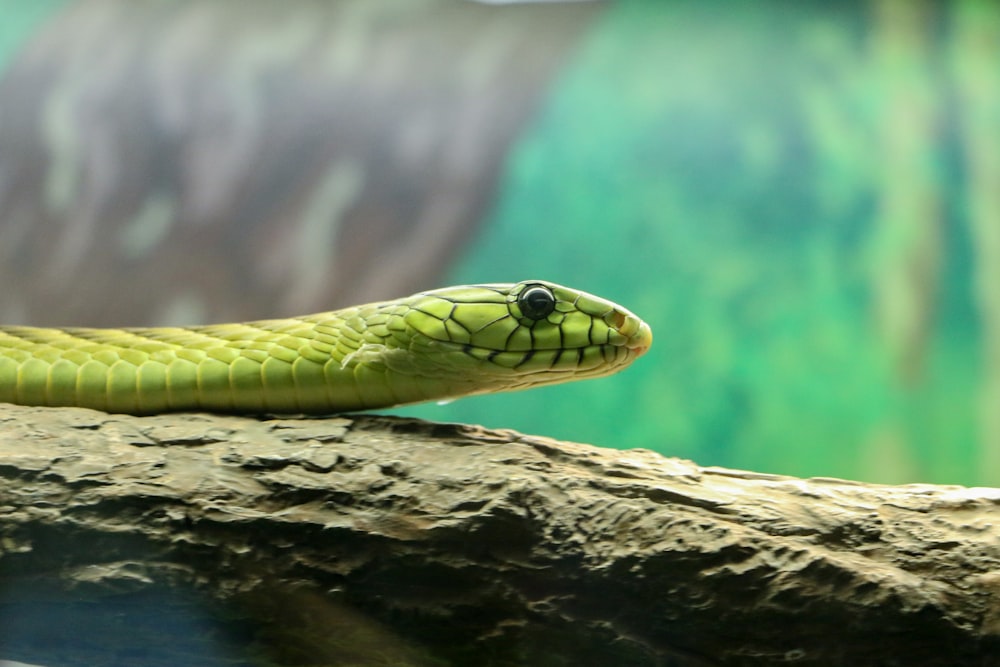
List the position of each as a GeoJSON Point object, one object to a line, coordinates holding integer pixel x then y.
{"type": "Point", "coordinates": [640, 341]}
{"type": "Point", "coordinates": [636, 333]}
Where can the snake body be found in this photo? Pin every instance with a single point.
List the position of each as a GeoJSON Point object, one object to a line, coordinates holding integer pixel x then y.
{"type": "Point", "coordinates": [434, 345]}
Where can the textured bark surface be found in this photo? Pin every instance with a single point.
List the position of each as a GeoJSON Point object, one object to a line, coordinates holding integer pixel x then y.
{"type": "Point", "coordinates": [366, 540]}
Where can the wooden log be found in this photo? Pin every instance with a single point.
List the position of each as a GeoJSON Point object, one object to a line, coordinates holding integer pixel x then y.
{"type": "Point", "coordinates": [369, 540]}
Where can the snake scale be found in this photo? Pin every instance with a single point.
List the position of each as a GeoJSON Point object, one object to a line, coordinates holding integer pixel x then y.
{"type": "Point", "coordinates": [434, 345]}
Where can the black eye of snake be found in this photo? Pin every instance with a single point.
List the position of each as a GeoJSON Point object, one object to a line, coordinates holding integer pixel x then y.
{"type": "Point", "coordinates": [536, 302]}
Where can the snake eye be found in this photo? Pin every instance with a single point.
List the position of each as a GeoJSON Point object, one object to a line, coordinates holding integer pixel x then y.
{"type": "Point", "coordinates": [536, 302]}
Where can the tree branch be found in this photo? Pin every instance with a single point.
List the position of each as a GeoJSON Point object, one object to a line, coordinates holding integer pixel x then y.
{"type": "Point", "coordinates": [374, 540]}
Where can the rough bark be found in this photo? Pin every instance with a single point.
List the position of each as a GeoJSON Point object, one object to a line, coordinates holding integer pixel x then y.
{"type": "Point", "coordinates": [366, 540]}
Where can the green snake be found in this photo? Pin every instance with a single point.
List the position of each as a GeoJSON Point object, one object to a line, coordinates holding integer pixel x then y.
{"type": "Point", "coordinates": [434, 345]}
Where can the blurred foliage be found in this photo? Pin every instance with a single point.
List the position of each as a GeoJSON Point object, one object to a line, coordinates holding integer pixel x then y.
{"type": "Point", "coordinates": [779, 189]}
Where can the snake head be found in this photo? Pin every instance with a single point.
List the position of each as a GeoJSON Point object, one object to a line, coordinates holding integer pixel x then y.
{"type": "Point", "coordinates": [518, 335]}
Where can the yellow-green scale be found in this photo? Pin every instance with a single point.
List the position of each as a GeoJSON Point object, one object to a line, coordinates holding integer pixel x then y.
{"type": "Point", "coordinates": [281, 366]}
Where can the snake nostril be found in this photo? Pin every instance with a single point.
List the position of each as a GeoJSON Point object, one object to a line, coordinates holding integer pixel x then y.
{"type": "Point", "coordinates": [617, 319]}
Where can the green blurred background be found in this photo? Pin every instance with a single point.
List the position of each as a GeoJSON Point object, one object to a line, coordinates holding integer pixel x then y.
{"type": "Point", "coordinates": [801, 198]}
